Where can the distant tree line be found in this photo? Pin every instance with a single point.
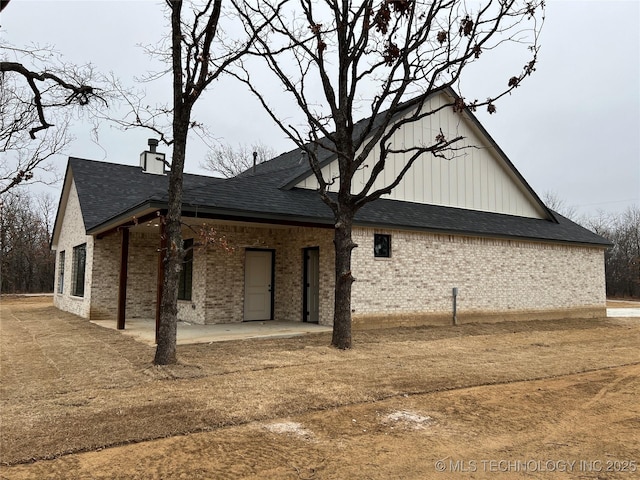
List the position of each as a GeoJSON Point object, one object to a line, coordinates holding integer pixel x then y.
{"type": "Point", "coordinates": [622, 260]}
{"type": "Point", "coordinates": [27, 265]}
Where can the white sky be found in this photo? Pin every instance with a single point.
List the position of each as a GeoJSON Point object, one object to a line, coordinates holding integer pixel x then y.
{"type": "Point", "coordinates": [572, 128]}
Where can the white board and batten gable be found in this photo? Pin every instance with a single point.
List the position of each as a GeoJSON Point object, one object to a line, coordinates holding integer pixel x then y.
{"type": "Point", "coordinates": [478, 177]}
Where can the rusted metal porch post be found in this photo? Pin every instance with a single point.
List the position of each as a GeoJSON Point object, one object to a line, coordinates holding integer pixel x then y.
{"type": "Point", "coordinates": [160, 280]}
{"type": "Point", "coordinates": [122, 283]}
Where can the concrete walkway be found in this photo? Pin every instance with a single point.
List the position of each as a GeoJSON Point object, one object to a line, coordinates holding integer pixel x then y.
{"type": "Point", "coordinates": [630, 309]}
{"type": "Point", "coordinates": [623, 312]}
{"type": "Point", "coordinates": [144, 330]}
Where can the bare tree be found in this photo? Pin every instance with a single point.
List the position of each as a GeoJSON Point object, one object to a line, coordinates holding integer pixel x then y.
{"type": "Point", "coordinates": [197, 53]}
{"type": "Point", "coordinates": [26, 261]}
{"type": "Point", "coordinates": [38, 96]}
{"type": "Point", "coordinates": [229, 161]}
{"type": "Point", "coordinates": [622, 259]}
{"type": "Point", "coordinates": [630, 238]}
{"type": "Point", "coordinates": [338, 59]}
{"type": "Point", "coordinates": [553, 201]}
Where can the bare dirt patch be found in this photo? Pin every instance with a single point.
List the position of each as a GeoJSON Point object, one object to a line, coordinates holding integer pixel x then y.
{"type": "Point", "coordinates": [409, 419]}
{"type": "Point", "coordinates": [394, 406]}
{"type": "Point", "coordinates": [612, 303]}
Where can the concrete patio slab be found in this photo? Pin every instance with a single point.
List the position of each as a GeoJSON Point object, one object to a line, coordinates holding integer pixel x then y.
{"type": "Point", "coordinates": [143, 330]}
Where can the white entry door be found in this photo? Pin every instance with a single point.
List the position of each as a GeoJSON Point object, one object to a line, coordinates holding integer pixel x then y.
{"type": "Point", "coordinates": [258, 295]}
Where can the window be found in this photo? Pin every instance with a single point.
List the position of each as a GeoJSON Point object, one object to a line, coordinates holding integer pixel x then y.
{"type": "Point", "coordinates": [79, 261]}
{"type": "Point", "coordinates": [381, 245]}
{"type": "Point", "coordinates": [61, 272]}
{"type": "Point", "coordinates": [186, 274]}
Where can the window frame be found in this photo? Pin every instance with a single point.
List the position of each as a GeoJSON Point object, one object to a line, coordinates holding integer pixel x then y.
{"type": "Point", "coordinates": [78, 273]}
{"type": "Point", "coordinates": [383, 251]}
{"type": "Point", "coordinates": [61, 262]}
{"type": "Point", "coordinates": [185, 282]}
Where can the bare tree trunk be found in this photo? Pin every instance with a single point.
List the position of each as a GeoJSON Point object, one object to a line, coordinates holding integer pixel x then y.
{"type": "Point", "coordinates": [194, 66]}
{"type": "Point", "coordinates": [344, 279]}
{"type": "Point", "coordinates": [173, 256]}
{"type": "Point", "coordinates": [167, 331]}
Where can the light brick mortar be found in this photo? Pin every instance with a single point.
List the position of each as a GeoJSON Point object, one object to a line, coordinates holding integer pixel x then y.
{"type": "Point", "coordinates": [494, 276]}
{"type": "Point", "coordinates": [141, 278]}
{"type": "Point", "coordinates": [218, 275]}
{"type": "Point", "coordinates": [225, 272]}
{"type": "Point", "coordinates": [72, 234]}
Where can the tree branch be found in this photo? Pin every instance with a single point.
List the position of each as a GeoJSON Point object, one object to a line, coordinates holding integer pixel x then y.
{"type": "Point", "coordinates": [75, 93]}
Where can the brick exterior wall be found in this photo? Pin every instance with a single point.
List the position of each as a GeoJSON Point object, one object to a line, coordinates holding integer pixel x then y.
{"type": "Point", "coordinates": [497, 279]}
{"type": "Point", "coordinates": [141, 278]}
{"type": "Point", "coordinates": [104, 287]}
{"type": "Point", "coordinates": [223, 291]}
{"type": "Point", "coordinates": [72, 234]}
{"type": "Point", "coordinates": [218, 275]}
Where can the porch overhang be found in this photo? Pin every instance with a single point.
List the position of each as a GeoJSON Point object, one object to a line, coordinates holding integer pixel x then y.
{"type": "Point", "coordinates": [150, 210]}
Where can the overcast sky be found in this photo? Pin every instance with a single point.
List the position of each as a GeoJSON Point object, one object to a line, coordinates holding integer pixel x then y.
{"type": "Point", "coordinates": [573, 128]}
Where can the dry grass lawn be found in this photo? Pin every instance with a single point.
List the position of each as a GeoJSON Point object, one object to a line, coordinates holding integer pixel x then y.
{"type": "Point", "coordinates": [497, 400]}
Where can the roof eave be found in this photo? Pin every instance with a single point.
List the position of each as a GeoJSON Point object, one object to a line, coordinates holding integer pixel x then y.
{"type": "Point", "coordinates": [128, 215]}
{"type": "Point", "coordinates": [475, 233]}
{"type": "Point", "coordinates": [223, 213]}
{"type": "Point", "coordinates": [220, 213]}
{"type": "Point", "coordinates": [195, 211]}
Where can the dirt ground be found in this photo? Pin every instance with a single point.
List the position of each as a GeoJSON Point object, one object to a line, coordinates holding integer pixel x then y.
{"type": "Point", "coordinates": [510, 400]}
{"type": "Point", "coordinates": [623, 303]}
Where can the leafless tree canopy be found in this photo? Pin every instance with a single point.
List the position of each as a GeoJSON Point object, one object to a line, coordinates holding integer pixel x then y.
{"type": "Point", "coordinates": [553, 201]}
{"type": "Point", "coordinates": [371, 57]}
{"type": "Point", "coordinates": [26, 261]}
{"type": "Point", "coordinates": [38, 96]}
{"type": "Point", "coordinates": [229, 161]}
{"type": "Point", "coordinates": [622, 259]}
{"type": "Point", "coordinates": [338, 61]}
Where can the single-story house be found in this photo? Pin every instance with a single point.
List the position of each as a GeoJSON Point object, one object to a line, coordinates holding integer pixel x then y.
{"type": "Point", "coordinates": [471, 224]}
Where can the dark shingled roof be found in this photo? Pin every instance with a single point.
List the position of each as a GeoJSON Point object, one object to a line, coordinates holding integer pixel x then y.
{"type": "Point", "coordinates": [108, 190]}
{"type": "Point", "coordinates": [296, 163]}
